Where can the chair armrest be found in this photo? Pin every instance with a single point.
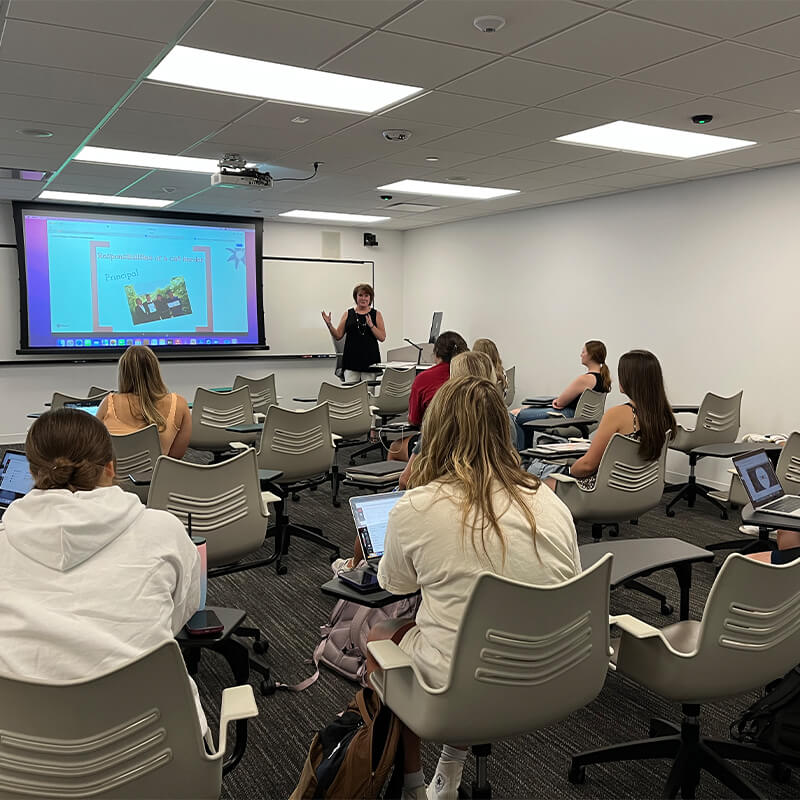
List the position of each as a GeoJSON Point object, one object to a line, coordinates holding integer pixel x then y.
{"type": "Point", "coordinates": [237, 703]}
{"type": "Point", "coordinates": [388, 655]}
{"type": "Point", "coordinates": [633, 626]}
{"type": "Point", "coordinates": [238, 446]}
{"type": "Point", "coordinates": [560, 477]}
{"type": "Point", "coordinates": [266, 498]}
{"type": "Point", "coordinates": [141, 478]}
{"type": "Point", "coordinates": [335, 438]}
{"type": "Point", "coordinates": [259, 417]}
{"type": "Point", "coordinates": [374, 409]}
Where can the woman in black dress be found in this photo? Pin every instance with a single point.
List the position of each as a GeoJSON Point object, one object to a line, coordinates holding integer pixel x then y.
{"type": "Point", "coordinates": [363, 326]}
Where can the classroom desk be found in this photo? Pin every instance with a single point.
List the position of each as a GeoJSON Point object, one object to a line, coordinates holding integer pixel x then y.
{"type": "Point", "coordinates": [685, 409]}
{"type": "Point", "coordinates": [341, 591]}
{"type": "Point", "coordinates": [549, 455]}
{"type": "Point", "coordinates": [255, 427]}
{"type": "Point", "coordinates": [766, 522]}
{"type": "Point", "coordinates": [549, 423]}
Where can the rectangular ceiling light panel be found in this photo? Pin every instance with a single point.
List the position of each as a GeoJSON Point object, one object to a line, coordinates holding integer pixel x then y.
{"type": "Point", "coordinates": [448, 190]}
{"type": "Point", "coordinates": [220, 72]}
{"type": "Point", "coordinates": [633, 137]}
{"type": "Point", "coordinates": [103, 199]}
{"type": "Point", "coordinates": [328, 216]}
{"type": "Point", "coordinates": [137, 158]}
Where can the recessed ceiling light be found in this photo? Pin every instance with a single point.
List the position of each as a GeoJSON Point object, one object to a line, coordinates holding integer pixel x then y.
{"type": "Point", "coordinates": [220, 72]}
{"type": "Point", "coordinates": [299, 120]}
{"type": "Point", "coordinates": [634, 137]}
{"type": "Point", "coordinates": [103, 199]}
{"type": "Point", "coordinates": [36, 133]}
{"type": "Point", "coordinates": [446, 190]}
{"type": "Point", "coordinates": [329, 216]}
{"type": "Point", "coordinates": [431, 158]}
{"type": "Point", "coordinates": [137, 158]}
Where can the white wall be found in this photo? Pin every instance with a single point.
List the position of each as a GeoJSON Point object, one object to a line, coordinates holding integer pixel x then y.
{"type": "Point", "coordinates": [705, 274]}
{"type": "Point", "coordinates": [25, 387]}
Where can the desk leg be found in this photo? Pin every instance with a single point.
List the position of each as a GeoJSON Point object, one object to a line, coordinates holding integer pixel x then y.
{"type": "Point", "coordinates": [683, 572]}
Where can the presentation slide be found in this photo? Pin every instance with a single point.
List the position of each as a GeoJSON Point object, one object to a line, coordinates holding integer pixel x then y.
{"type": "Point", "coordinates": [99, 280]}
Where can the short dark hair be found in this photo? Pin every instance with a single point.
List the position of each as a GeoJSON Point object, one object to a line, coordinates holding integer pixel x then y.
{"type": "Point", "coordinates": [449, 344]}
{"type": "Point", "coordinates": [366, 289]}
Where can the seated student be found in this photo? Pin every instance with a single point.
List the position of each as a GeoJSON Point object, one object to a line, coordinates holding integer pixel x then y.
{"type": "Point", "coordinates": [489, 348]}
{"type": "Point", "coordinates": [597, 377]}
{"type": "Point", "coordinates": [425, 386]}
{"type": "Point", "coordinates": [646, 417]}
{"type": "Point", "coordinates": [788, 549]}
{"type": "Point", "coordinates": [143, 400]}
{"type": "Point", "coordinates": [472, 510]}
{"type": "Point", "coordinates": [90, 579]}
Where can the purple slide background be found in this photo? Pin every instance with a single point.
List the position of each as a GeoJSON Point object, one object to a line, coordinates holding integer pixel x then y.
{"type": "Point", "coordinates": [37, 264]}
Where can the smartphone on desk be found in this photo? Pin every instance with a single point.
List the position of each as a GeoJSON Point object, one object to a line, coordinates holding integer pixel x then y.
{"type": "Point", "coordinates": [204, 623]}
{"type": "Point", "coordinates": [362, 580]}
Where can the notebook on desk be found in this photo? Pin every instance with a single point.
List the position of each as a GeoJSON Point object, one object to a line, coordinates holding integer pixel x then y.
{"type": "Point", "coordinates": [15, 478]}
{"type": "Point", "coordinates": [371, 515]}
{"type": "Point", "coordinates": [763, 487]}
{"type": "Point", "coordinates": [565, 447]}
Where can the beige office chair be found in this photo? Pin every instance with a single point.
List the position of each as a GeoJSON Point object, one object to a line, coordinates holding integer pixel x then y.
{"type": "Point", "coordinates": [136, 453]}
{"type": "Point", "coordinates": [525, 656]}
{"type": "Point", "coordinates": [60, 399]}
{"type": "Point", "coordinates": [298, 443]}
{"type": "Point", "coordinates": [351, 415]}
{"type": "Point", "coordinates": [98, 390]}
{"type": "Point", "coordinates": [262, 391]}
{"type": "Point", "coordinates": [749, 635]}
{"type": "Point", "coordinates": [128, 734]}
{"type": "Point", "coordinates": [213, 412]}
{"type": "Point", "coordinates": [511, 389]}
{"type": "Point", "coordinates": [591, 405]}
{"type": "Point", "coordinates": [717, 423]}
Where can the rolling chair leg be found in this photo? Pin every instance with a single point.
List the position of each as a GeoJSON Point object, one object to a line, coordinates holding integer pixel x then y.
{"type": "Point", "coordinates": [666, 608]}
{"type": "Point", "coordinates": [481, 788]}
{"type": "Point", "coordinates": [335, 480]}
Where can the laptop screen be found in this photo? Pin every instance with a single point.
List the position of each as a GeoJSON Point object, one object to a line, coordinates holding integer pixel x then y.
{"type": "Point", "coordinates": [371, 514]}
{"type": "Point", "coordinates": [758, 477]}
{"type": "Point", "coordinates": [15, 477]}
{"type": "Point", "coordinates": [89, 408]}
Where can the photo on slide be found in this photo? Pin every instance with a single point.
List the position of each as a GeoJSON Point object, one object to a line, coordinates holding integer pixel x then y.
{"type": "Point", "coordinates": [151, 303]}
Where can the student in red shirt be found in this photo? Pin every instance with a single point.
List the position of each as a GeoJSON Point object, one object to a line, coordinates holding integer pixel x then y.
{"type": "Point", "coordinates": [425, 386]}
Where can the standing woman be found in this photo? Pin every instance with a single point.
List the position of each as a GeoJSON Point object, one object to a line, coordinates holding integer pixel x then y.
{"type": "Point", "coordinates": [364, 328]}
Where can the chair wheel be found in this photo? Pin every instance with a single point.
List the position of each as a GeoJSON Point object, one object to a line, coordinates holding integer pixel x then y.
{"type": "Point", "coordinates": [336, 503]}
{"type": "Point", "coordinates": [281, 569]}
{"type": "Point", "coordinates": [666, 609]}
{"type": "Point", "coordinates": [614, 531]}
{"type": "Point", "coordinates": [780, 773]}
{"type": "Point", "coordinates": [312, 488]}
{"type": "Point", "coordinates": [295, 497]}
{"type": "Point", "coordinates": [260, 646]}
{"type": "Point", "coordinates": [577, 774]}
{"type": "Point", "coordinates": [670, 513]}
{"type": "Point", "coordinates": [723, 515]}
{"type": "Point", "coordinates": [267, 687]}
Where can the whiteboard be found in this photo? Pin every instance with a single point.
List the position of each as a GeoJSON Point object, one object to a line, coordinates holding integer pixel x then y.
{"type": "Point", "coordinates": [296, 290]}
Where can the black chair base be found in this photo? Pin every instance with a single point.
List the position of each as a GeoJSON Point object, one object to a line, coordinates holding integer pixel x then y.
{"type": "Point", "coordinates": [691, 489]}
{"type": "Point", "coordinates": [690, 752]}
{"type": "Point", "coordinates": [480, 787]}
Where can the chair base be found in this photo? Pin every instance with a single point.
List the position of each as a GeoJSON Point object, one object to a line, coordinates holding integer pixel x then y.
{"type": "Point", "coordinates": [642, 588]}
{"type": "Point", "coordinates": [285, 532]}
{"type": "Point", "coordinates": [691, 489]}
{"type": "Point", "coordinates": [690, 752]}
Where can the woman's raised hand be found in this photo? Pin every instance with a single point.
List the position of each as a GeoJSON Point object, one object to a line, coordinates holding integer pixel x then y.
{"type": "Point", "coordinates": [326, 318]}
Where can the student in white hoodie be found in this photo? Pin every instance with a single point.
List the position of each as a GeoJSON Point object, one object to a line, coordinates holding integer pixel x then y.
{"type": "Point", "coordinates": [90, 579]}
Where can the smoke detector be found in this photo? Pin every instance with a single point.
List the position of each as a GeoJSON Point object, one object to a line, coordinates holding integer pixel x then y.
{"type": "Point", "coordinates": [396, 135]}
{"type": "Point", "coordinates": [489, 24]}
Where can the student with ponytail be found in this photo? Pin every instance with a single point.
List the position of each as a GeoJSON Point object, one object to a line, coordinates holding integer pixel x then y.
{"type": "Point", "coordinates": [597, 377]}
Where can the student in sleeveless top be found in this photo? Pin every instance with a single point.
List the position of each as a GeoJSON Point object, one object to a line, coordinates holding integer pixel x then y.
{"type": "Point", "coordinates": [489, 348]}
{"type": "Point", "coordinates": [364, 328]}
{"type": "Point", "coordinates": [144, 400]}
{"type": "Point", "coordinates": [646, 417]}
{"type": "Point", "coordinates": [597, 377]}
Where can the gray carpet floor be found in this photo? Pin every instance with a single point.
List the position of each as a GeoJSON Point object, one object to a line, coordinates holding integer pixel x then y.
{"type": "Point", "coordinates": [290, 609]}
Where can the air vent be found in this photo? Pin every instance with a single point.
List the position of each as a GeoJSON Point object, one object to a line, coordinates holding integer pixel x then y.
{"type": "Point", "coordinates": [411, 207]}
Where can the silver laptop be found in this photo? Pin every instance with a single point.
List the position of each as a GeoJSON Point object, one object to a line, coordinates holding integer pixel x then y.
{"type": "Point", "coordinates": [15, 478]}
{"type": "Point", "coordinates": [763, 487]}
{"type": "Point", "coordinates": [371, 514]}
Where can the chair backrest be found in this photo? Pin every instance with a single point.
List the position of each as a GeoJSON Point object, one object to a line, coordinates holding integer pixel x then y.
{"type": "Point", "coordinates": [591, 404]}
{"type": "Point", "coordinates": [788, 468]}
{"type": "Point", "coordinates": [213, 412]}
{"type": "Point", "coordinates": [59, 399]}
{"type": "Point", "coordinates": [511, 389]}
{"type": "Point", "coordinates": [98, 390]}
{"type": "Point", "coordinates": [407, 353]}
{"type": "Point", "coordinates": [395, 390]}
{"type": "Point", "coordinates": [532, 654]}
{"type": "Point", "coordinates": [136, 452]}
{"type": "Point", "coordinates": [262, 391]}
{"type": "Point", "coordinates": [224, 500]}
{"type": "Point", "coordinates": [133, 732]}
{"type": "Point", "coordinates": [297, 442]}
{"type": "Point", "coordinates": [717, 423]}
{"type": "Point", "coordinates": [348, 407]}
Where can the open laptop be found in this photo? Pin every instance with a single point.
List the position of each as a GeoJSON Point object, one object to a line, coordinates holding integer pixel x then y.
{"type": "Point", "coordinates": [762, 485]}
{"type": "Point", "coordinates": [90, 406]}
{"type": "Point", "coordinates": [371, 514]}
{"type": "Point", "coordinates": [15, 478]}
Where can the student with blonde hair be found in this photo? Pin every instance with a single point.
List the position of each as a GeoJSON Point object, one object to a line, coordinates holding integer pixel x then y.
{"type": "Point", "coordinates": [489, 348]}
{"type": "Point", "coordinates": [143, 399]}
{"type": "Point", "coordinates": [472, 509]}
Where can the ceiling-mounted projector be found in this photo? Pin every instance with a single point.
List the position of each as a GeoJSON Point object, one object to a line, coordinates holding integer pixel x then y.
{"type": "Point", "coordinates": [235, 173]}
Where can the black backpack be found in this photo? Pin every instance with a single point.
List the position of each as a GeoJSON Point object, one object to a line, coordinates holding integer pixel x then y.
{"type": "Point", "coordinates": [773, 721]}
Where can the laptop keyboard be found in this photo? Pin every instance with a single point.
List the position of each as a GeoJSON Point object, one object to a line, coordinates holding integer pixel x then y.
{"type": "Point", "coordinates": [787, 504]}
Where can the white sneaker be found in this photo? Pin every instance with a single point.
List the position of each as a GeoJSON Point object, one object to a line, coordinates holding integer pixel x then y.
{"type": "Point", "coordinates": [341, 564]}
{"type": "Point", "coordinates": [444, 785]}
{"type": "Point", "coordinates": [417, 793]}
{"type": "Point", "coordinates": [750, 530]}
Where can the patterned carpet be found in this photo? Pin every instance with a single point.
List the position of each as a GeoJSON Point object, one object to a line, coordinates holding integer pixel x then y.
{"type": "Point", "coordinates": [289, 610]}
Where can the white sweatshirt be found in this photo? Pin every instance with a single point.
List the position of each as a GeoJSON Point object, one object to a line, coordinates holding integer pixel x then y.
{"type": "Point", "coordinates": [90, 581]}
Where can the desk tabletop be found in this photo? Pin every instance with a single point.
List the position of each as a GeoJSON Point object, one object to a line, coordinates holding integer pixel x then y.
{"type": "Point", "coordinates": [731, 449]}
{"type": "Point", "coordinates": [231, 618]}
{"type": "Point", "coordinates": [341, 591]}
{"type": "Point", "coordinates": [254, 427]}
{"type": "Point", "coordinates": [685, 409]}
{"type": "Point", "coordinates": [763, 519]}
{"type": "Point", "coordinates": [548, 423]}
{"type": "Point", "coordinates": [549, 455]}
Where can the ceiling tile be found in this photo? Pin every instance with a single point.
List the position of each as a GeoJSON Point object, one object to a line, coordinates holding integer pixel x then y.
{"type": "Point", "coordinates": [553, 153]}
{"type": "Point", "coordinates": [252, 137]}
{"type": "Point", "coordinates": [262, 153]}
{"type": "Point", "coordinates": [482, 142]}
{"type": "Point", "coordinates": [640, 43]}
{"type": "Point", "coordinates": [723, 18]}
{"type": "Point", "coordinates": [45, 111]}
{"type": "Point", "coordinates": [421, 132]}
{"type": "Point", "coordinates": [717, 68]}
{"type": "Point", "coordinates": [60, 84]}
{"type": "Point", "coordinates": [11, 189]}
{"type": "Point", "coordinates": [762, 155]}
{"type": "Point", "coordinates": [158, 133]}
{"type": "Point", "coordinates": [725, 112]}
{"type": "Point", "coordinates": [33, 154]}
{"type": "Point", "coordinates": [550, 176]}
{"type": "Point", "coordinates": [321, 122]}
{"type": "Point", "coordinates": [687, 168]}
{"type": "Point", "coordinates": [68, 48]}
{"type": "Point", "coordinates": [539, 124]}
{"type": "Point", "coordinates": [630, 180]}
{"type": "Point", "coordinates": [361, 12]}
{"type": "Point", "coordinates": [609, 163]}
{"type": "Point", "coordinates": [783, 37]}
{"type": "Point", "coordinates": [526, 22]}
{"type": "Point", "coordinates": [71, 183]}
{"type": "Point", "coordinates": [123, 17]}
{"type": "Point", "coordinates": [79, 171]}
{"type": "Point", "coordinates": [408, 61]}
{"type": "Point", "coordinates": [498, 167]}
{"type": "Point", "coordinates": [253, 31]}
{"type": "Point", "coordinates": [766, 129]}
{"type": "Point", "coordinates": [523, 82]}
{"type": "Point", "coordinates": [781, 93]}
{"type": "Point", "coordinates": [181, 102]}
{"type": "Point", "coordinates": [63, 135]}
{"type": "Point", "coordinates": [384, 171]}
{"type": "Point", "coordinates": [619, 99]}
{"type": "Point", "coordinates": [574, 191]}
{"type": "Point", "coordinates": [184, 184]}
{"type": "Point", "coordinates": [416, 156]}
{"type": "Point", "coordinates": [453, 109]}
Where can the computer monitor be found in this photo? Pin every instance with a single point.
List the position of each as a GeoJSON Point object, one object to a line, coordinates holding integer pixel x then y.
{"type": "Point", "coordinates": [436, 327]}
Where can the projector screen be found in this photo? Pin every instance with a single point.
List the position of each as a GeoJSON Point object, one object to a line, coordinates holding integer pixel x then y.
{"type": "Point", "coordinates": [91, 279]}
